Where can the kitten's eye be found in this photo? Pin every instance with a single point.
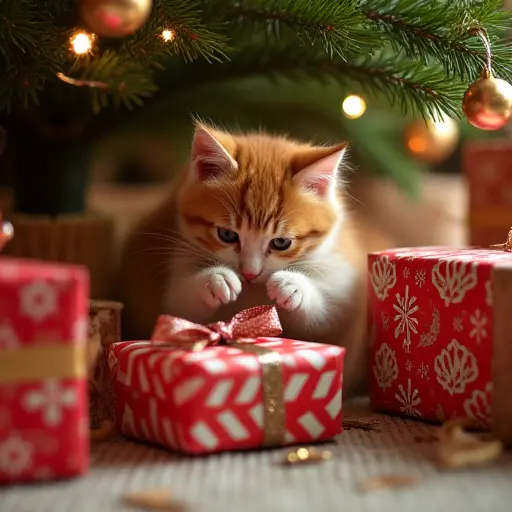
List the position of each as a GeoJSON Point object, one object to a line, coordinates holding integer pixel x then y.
{"type": "Point", "coordinates": [227, 236]}
{"type": "Point", "coordinates": [280, 244]}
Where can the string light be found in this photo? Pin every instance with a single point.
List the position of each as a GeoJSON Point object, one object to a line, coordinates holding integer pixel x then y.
{"type": "Point", "coordinates": [168, 35]}
{"type": "Point", "coordinates": [81, 42]}
{"type": "Point", "coordinates": [353, 106]}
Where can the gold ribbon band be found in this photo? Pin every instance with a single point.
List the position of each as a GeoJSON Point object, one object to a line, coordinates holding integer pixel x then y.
{"type": "Point", "coordinates": [274, 424]}
{"type": "Point", "coordinates": [490, 216]}
{"type": "Point", "coordinates": [56, 361]}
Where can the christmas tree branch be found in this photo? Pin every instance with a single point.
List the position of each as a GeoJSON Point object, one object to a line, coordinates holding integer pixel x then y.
{"type": "Point", "coordinates": [338, 27]}
{"type": "Point", "coordinates": [427, 92]}
{"type": "Point", "coordinates": [190, 36]}
{"type": "Point", "coordinates": [441, 31]}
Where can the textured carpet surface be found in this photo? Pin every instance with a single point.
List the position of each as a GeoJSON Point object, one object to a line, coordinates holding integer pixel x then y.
{"type": "Point", "coordinates": [258, 482]}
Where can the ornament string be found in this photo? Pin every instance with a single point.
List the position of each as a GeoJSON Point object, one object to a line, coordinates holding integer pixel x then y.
{"type": "Point", "coordinates": [93, 84]}
{"type": "Point", "coordinates": [482, 33]}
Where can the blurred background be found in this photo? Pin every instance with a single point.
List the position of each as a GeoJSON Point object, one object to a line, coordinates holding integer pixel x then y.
{"type": "Point", "coordinates": [408, 172]}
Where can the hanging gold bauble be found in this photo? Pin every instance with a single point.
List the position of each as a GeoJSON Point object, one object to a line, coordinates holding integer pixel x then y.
{"type": "Point", "coordinates": [487, 103]}
{"type": "Point", "coordinates": [115, 18]}
{"type": "Point", "coordinates": [432, 141]}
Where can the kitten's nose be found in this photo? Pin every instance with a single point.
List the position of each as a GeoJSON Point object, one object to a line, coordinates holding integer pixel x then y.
{"type": "Point", "coordinates": [249, 276]}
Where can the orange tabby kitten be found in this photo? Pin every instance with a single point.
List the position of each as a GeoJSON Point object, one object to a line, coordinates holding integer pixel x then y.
{"type": "Point", "coordinates": [256, 219]}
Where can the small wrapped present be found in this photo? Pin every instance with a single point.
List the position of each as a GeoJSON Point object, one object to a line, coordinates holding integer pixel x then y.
{"type": "Point", "coordinates": [438, 317]}
{"type": "Point", "coordinates": [104, 329]}
{"type": "Point", "coordinates": [488, 169]}
{"type": "Point", "coordinates": [227, 386]}
{"type": "Point", "coordinates": [43, 387]}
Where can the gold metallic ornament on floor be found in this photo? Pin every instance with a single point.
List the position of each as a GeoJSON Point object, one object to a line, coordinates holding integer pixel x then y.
{"type": "Point", "coordinates": [115, 18]}
{"type": "Point", "coordinates": [307, 456]}
{"type": "Point", "coordinates": [487, 103]}
{"type": "Point", "coordinates": [432, 141]}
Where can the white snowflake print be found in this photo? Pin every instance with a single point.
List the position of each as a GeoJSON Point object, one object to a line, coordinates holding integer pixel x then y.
{"type": "Point", "coordinates": [478, 323]}
{"type": "Point", "coordinates": [385, 320]}
{"type": "Point", "coordinates": [408, 365]}
{"type": "Point", "coordinates": [406, 272]}
{"type": "Point", "coordinates": [406, 323]}
{"type": "Point", "coordinates": [423, 371]}
{"type": "Point", "coordinates": [16, 455]}
{"type": "Point", "coordinates": [457, 324]}
{"type": "Point", "coordinates": [51, 399]}
{"type": "Point", "coordinates": [8, 337]}
{"type": "Point", "coordinates": [409, 399]}
{"type": "Point", "coordinates": [80, 329]}
{"type": "Point", "coordinates": [38, 300]}
{"type": "Point", "coordinates": [420, 278]}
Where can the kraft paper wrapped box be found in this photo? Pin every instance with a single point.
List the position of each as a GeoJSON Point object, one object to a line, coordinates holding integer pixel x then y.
{"type": "Point", "coordinates": [441, 345]}
{"type": "Point", "coordinates": [227, 386]}
{"type": "Point", "coordinates": [104, 329]}
{"type": "Point", "coordinates": [487, 166]}
{"type": "Point", "coordinates": [43, 387]}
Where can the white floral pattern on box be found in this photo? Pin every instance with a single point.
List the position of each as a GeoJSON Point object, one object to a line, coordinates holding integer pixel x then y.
{"type": "Point", "coordinates": [432, 331]}
{"type": "Point", "coordinates": [39, 300]}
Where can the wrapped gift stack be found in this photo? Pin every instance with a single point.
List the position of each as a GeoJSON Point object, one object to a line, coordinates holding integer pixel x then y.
{"type": "Point", "coordinates": [441, 346]}
{"type": "Point", "coordinates": [202, 389]}
{"type": "Point", "coordinates": [488, 169]}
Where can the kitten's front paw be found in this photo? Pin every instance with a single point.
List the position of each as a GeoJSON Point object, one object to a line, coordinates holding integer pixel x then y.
{"type": "Point", "coordinates": [290, 290]}
{"type": "Point", "coordinates": [217, 286]}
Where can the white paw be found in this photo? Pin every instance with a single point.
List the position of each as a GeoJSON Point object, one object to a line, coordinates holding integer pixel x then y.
{"type": "Point", "coordinates": [218, 286]}
{"type": "Point", "coordinates": [290, 290]}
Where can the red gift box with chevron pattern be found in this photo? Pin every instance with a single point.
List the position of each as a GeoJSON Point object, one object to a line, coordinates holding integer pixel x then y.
{"type": "Point", "coordinates": [434, 312]}
{"type": "Point", "coordinates": [212, 400]}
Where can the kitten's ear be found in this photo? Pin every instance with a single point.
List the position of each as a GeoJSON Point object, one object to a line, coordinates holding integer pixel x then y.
{"type": "Point", "coordinates": [316, 169]}
{"type": "Point", "coordinates": [210, 154]}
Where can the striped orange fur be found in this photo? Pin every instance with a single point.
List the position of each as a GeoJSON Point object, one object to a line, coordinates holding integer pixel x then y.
{"type": "Point", "coordinates": [256, 219]}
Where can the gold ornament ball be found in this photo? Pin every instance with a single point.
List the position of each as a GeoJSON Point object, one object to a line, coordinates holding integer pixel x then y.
{"type": "Point", "coordinates": [432, 141]}
{"type": "Point", "coordinates": [487, 103]}
{"type": "Point", "coordinates": [115, 18]}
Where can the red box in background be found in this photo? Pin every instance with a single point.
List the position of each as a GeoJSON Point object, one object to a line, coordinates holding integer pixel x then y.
{"type": "Point", "coordinates": [44, 428]}
{"type": "Point", "coordinates": [487, 166]}
{"type": "Point", "coordinates": [432, 315]}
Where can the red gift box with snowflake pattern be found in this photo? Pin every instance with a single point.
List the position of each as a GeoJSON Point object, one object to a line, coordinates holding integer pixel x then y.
{"type": "Point", "coordinates": [43, 393]}
{"type": "Point", "coordinates": [227, 396]}
{"type": "Point", "coordinates": [436, 332]}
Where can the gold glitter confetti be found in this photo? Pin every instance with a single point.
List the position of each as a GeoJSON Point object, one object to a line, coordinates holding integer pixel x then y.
{"type": "Point", "coordinates": [360, 424]}
{"type": "Point", "coordinates": [383, 482]}
{"type": "Point", "coordinates": [461, 446]}
{"type": "Point", "coordinates": [308, 456]}
{"type": "Point", "coordinates": [154, 499]}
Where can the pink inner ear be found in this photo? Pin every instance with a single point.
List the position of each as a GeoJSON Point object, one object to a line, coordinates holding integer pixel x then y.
{"type": "Point", "coordinates": [318, 184]}
{"type": "Point", "coordinates": [320, 176]}
{"type": "Point", "coordinates": [209, 157]}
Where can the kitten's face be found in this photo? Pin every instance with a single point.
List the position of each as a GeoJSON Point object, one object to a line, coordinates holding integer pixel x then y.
{"type": "Point", "coordinates": [257, 203]}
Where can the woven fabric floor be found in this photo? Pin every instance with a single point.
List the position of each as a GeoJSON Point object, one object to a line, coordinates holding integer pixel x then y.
{"type": "Point", "coordinates": [258, 482]}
